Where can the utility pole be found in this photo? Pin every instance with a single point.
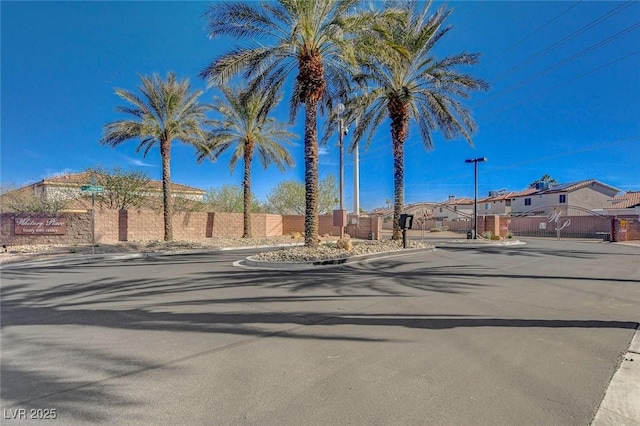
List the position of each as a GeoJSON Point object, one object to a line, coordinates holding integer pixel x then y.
{"type": "Point", "coordinates": [475, 162]}
{"type": "Point", "coordinates": [356, 178]}
{"type": "Point", "coordinates": [342, 214]}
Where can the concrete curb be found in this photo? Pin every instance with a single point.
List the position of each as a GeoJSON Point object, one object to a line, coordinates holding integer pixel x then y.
{"type": "Point", "coordinates": [621, 403]}
{"type": "Point", "coordinates": [297, 266]}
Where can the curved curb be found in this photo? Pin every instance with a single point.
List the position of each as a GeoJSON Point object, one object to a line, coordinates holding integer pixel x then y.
{"type": "Point", "coordinates": [327, 263]}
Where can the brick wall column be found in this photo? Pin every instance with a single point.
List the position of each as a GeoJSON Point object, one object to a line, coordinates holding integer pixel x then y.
{"type": "Point", "coordinates": [123, 225]}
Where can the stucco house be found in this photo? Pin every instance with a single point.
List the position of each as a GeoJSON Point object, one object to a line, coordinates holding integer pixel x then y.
{"type": "Point", "coordinates": [627, 203]}
{"type": "Point", "coordinates": [500, 202]}
{"type": "Point", "coordinates": [629, 199]}
{"type": "Point", "coordinates": [454, 209]}
{"type": "Point", "coordinates": [68, 187]}
{"type": "Point", "coordinates": [580, 196]}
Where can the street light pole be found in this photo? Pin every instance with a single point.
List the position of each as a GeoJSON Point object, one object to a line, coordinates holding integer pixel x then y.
{"type": "Point", "coordinates": [340, 111]}
{"type": "Point", "coordinates": [341, 145]}
{"type": "Point", "coordinates": [475, 162]}
{"type": "Point", "coordinates": [356, 181]}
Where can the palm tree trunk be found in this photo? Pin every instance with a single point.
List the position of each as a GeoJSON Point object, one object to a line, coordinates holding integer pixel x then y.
{"type": "Point", "coordinates": [398, 187]}
{"type": "Point", "coordinates": [165, 153]}
{"type": "Point", "coordinates": [399, 114]}
{"type": "Point", "coordinates": [311, 174]}
{"type": "Point", "coordinates": [248, 155]}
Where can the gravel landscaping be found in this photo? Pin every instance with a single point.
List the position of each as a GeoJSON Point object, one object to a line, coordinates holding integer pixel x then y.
{"type": "Point", "coordinates": [330, 251]}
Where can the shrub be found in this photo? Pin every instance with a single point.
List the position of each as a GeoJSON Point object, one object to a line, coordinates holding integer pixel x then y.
{"type": "Point", "coordinates": [345, 244]}
{"type": "Point", "coordinates": [495, 237]}
{"type": "Point", "coordinates": [509, 235]}
{"type": "Point", "coordinates": [487, 234]}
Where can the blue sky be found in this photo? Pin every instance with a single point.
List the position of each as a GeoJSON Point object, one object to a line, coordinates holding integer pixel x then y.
{"type": "Point", "coordinates": [564, 97]}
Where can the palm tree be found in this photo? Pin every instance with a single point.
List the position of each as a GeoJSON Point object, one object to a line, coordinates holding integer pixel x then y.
{"type": "Point", "coordinates": [410, 84]}
{"type": "Point", "coordinates": [167, 111]}
{"type": "Point", "coordinates": [545, 179]}
{"type": "Point", "coordinates": [246, 125]}
{"type": "Point", "coordinates": [312, 38]}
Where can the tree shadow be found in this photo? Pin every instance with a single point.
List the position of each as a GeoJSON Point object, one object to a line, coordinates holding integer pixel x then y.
{"type": "Point", "coordinates": [536, 251]}
{"type": "Point", "coordinates": [28, 383]}
{"type": "Point", "coordinates": [165, 304]}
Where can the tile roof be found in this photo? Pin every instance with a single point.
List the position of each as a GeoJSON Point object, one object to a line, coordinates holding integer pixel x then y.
{"type": "Point", "coordinates": [573, 186]}
{"type": "Point", "coordinates": [626, 200]}
{"type": "Point", "coordinates": [523, 193]}
{"type": "Point", "coordinates": [77, 179]}
{"type": "Point", "coordinates": [458, 202]}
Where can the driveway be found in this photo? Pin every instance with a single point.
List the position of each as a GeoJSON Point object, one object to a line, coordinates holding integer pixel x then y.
{"type": "Point", "coordinates": [523, 335]}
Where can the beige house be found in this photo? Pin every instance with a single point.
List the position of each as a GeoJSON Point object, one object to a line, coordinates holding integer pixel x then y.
{"type": "Point", "coordinates": [629, 199]}
{"type": "Point", "coordinates": [500, 202]}
{"type": "Point", "coordinates": [579, 196]}
{"type": "Point", "coordinates": [624, 204]}
{"type": "Point", "coordinates": [454, 209]}
{"type": "Point", "coordinates": [68, 187]}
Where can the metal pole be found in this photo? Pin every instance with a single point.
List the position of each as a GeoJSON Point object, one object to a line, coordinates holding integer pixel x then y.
{"type": "Point", "coordinates": [341, 175]}
{"type": "Point", "coordinates": [356, 181]}
{"type": "Point", "coordinates": [356, 177]}
{"type": "Point", "coordinates": [475, 200]}
{"type": "Point", "coordinates": [475, 162]}
{"type": "Point", "coordinates": [93, 223]}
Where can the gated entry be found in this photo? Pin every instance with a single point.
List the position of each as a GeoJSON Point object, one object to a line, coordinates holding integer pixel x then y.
{"type": "Point", "coordinates": [561, 222]}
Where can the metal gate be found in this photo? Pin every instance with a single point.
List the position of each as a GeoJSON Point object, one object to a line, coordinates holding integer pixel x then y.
{"type": "Point", "coordinates": [564, 221]}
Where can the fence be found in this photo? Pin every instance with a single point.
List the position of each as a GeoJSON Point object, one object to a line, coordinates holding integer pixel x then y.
{"type": "Point", "coordinates": [555, 225]}
{"type": "Point", "coordinates": [595, 227]}
{"type": "Point", "coordinates": [113, 226]}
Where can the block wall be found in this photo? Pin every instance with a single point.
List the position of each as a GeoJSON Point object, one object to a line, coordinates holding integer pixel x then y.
{"type": "Point", "coordinates": [107, 226]}
{"type": "Point", "coordinates": [630, 231]}
{"type": "Point", "coordinates": [78, 230]}
{"type": "Point", "coordinates": [361, 229]}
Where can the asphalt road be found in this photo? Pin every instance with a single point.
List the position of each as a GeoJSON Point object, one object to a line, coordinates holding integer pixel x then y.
{"type": "Point", "coordinates": [523, 335]}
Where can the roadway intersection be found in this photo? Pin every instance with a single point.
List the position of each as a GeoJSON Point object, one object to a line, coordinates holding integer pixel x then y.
{"type": "Point", "coordinates": [523, 335]}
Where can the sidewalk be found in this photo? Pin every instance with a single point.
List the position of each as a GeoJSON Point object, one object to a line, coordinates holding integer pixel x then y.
{"type": "Point", "coordinates": [621, 403]}
{"type": "Point", "coordinates": [135, 249]}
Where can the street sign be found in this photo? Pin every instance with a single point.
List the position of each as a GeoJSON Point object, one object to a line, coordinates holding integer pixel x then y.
{"type": "Point", "coordinates": [92, 188]}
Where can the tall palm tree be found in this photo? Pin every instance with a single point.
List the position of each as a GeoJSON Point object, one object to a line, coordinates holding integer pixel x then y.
{"type": "Point", "coordinates": [245, 123]}
{"type": "Point", "coordinates": [166, 111]}
{"type": "Point", "coordinates": [409, 84]}
{"type": "Point", "coordinates": [310, 38]}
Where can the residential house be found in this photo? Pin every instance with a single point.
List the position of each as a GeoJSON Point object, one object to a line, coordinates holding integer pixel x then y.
{"type": "Point", "coordinates": [422, 210]}
{"type": "Point", "coordinates": [454, 209]}
{"type": "Point", "coordinates": [624, 204]}
{"type": "Point", "coordinates": [68, 187]}
{"type": "Point", "coordinates": [500, 202]}
{"type": "Point", "coordinates": [579, 197]}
